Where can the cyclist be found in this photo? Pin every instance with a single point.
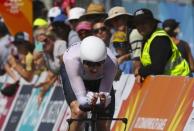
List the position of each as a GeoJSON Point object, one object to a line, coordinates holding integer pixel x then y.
{"type": "Point", "coordinates": [90, 69]}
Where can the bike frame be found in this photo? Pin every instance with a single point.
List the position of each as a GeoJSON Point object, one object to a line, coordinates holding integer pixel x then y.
{"type": "Point", "coordinates": [94, 120]}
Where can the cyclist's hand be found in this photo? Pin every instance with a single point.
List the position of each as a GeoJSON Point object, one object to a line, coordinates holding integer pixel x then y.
{"type": "Point", "coordinates": [105, 98]}
{"type": "Point", "coordinates": [92, 98]}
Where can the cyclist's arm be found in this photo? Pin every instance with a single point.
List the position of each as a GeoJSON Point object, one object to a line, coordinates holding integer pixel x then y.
{"type": "Point", "coordinates": [68, 91]}
{"type": "Point", "coordinates": [73, 73]}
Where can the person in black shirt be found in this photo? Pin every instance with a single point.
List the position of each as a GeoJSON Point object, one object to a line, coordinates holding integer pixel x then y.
{"type": "Point", "coordinates": [171, 26]}
{"type": "Point", "coordinates": [160, 47]}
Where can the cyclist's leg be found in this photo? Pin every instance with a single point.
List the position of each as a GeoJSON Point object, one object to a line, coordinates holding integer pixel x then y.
{"type": "Point", "coordinates": [109, 112]}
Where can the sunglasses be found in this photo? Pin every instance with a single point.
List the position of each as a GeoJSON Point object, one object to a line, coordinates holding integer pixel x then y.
{"type": "Point", "coordinates": [120, 44]}
{"type": "Point", "coordinates": [95, 31]}
{"type": "Point", "coordinates": [93, 64]}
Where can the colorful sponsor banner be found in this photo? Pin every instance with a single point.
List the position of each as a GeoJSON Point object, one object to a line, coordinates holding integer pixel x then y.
{"type": "Point", "coordinates": [122, 89]}
{"type": "Point", "coordinates": [5, 106]}
{"type": "Point", "coordinates": [20, 104]}
{"type": "Point", "coordinates": [33, 113]}
{"type": "Point", "coordinates": [17, 15]}
{"type": "Point", "coordinates": [190, 122]}
{"type": "Point", "coordinates": [161, 103]}
{"type": "Point", "coordinates": [53, 110]}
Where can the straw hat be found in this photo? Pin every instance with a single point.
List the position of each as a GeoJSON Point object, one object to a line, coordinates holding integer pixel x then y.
{"type": "Point", "coordinates": [117, 11]}
{"type": "Point", "coordinates": [95, 10]}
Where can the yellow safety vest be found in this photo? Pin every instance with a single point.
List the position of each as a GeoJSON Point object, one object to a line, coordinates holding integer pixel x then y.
{"type": "Point", "coordinates": [176, 65]}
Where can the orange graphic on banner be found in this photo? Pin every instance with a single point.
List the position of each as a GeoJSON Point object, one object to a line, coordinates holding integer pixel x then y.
{"type": "Point", "coordinates": [162, 103]}
{"type": "Point", "coordinates": [17, 15]}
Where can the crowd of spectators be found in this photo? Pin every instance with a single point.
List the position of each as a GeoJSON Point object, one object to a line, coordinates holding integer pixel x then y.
{"type": "Point", "coordinates": [61, 28]}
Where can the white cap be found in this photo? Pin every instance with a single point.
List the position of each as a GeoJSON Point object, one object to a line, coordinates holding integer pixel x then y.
{"type": "Point", "coordinates": [53, 12]}
{"type": "Point", "coordinates": [93, 49]}
{"type": "Point", "coordinates": [76, 13]}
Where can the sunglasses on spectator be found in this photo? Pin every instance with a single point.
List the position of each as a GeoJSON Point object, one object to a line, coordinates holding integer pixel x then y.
{"type": "Point", "coordinates": [119, 44]}
{"type": "Point", "coordinates": [95, 31]}
{"type": "Point", "coordinates": [93, 64]}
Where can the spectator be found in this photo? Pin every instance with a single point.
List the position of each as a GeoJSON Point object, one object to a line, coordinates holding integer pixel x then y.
{"type": "Point", "coordinates": [40, 22]}
{"type": "Point", "coordinates": [122, 47]}
{"type": "Point", "coordinates": [61, 28]}
{"type": "Point", "coordinates": [40, 26]}
{"type": "Point", "coordinates": [73, 18]}
{"type": "Point", "coordinates": [136, 42]}
{"type": "Point", "coordinates": [24, 65]}
{"type": "Point", "coordinates": [39, 37]}
{"type": "Point", "coordinates": [6, 49]}
{"type": "Point", "coordinates": [66, 5]}
{"type": "Point", "coordinates": [5, 40]}
{"type": "Point", "coordinates": [120, 20]}
{"type": "Point", "coordinates": [171, 26]}
{"type": "Point", "coordinates": [160, 55]}
{"type": "Point", "coordinates": [52, 13]}
{"type": "Point", "coordinates": [84, 29]}
{"type": "Point", "coordinates": [95, 12]}
{"type": "Point", "coordinates": [102, 31]}
{"type": "Point", "coordinates": [53, 52]}
{"type": "Point", "coordinates": [39, 9]}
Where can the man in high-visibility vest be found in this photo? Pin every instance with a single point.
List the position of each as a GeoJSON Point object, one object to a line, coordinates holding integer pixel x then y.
{"type": "Point", "coordinates": [159, 55]}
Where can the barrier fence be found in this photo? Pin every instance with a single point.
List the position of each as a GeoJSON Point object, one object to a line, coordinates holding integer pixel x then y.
{"type": "Point", "coordinates": [161, 103]}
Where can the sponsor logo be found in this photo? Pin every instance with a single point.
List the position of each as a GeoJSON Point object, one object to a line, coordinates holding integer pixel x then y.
{"type": "Point", "coordinates": [14, 5]}
{"type": "Point", "coordinates": [151, 123]}
{"type": "Point", "coordinates": [51, 115]}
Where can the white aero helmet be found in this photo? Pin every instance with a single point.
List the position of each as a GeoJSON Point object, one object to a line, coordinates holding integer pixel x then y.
{"type": "Point", "coordinates": [76, 13]}
{"type": "Point", "coordinates": [93, 49]}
